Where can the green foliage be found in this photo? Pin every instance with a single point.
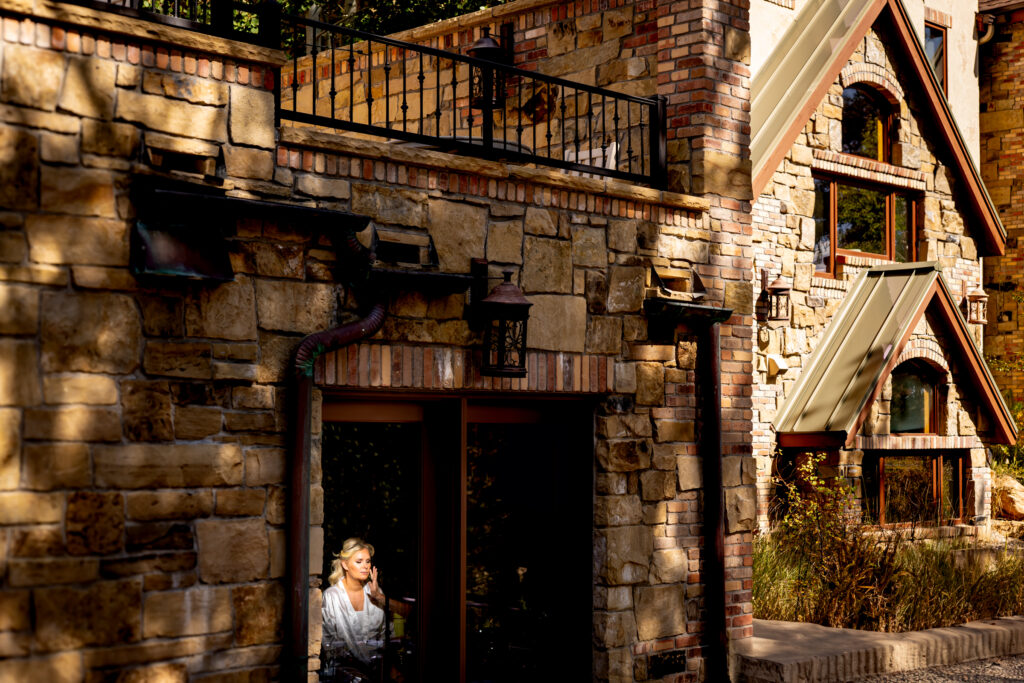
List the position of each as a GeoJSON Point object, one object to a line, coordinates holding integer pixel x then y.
{"type": "Point", "coordinates": [1009, 459]}
{"type": "Point", "coordinates": [820, 565]}
{"type": "Point", "coordinates": [387, 16]}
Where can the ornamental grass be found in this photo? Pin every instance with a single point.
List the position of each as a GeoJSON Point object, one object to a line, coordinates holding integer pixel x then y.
{"type": "Point", "coordinates": [821, 565]}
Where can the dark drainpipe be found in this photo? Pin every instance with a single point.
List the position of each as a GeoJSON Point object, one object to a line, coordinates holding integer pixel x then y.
{"type": "Point", "coordinates": [316, 344]}
{"type": "Point", "coordinates": [709, 381]}
{"type": "Point", "coordinates": [666, 317]}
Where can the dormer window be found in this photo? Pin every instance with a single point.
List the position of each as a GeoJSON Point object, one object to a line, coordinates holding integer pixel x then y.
{"type": "Point", "coordinates": [865, 123]}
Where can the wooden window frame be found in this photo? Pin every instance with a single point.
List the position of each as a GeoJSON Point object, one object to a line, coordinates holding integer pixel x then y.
{"type": "Point", "coordinates": [836, 255]}
{"type": "Point", "coordinates": [937, 466]}
{"type": "Point", "coordinates": [942, 77]}
{"type": "Point", "coordinates": [444, 496]}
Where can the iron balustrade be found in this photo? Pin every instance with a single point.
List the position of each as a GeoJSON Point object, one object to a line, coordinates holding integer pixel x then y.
{"type": "Point", "coordinates": [345, 79]}
{"type": "Point", "coordinates": [369, 85]}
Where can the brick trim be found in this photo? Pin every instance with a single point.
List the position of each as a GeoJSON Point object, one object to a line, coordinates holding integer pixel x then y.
{"type": "Point", "coordinates": [137, 51]}
{"type": "Point", "coordinates": [86, 20]}
{"type": "Point", "coordinates": [920, 442]}
{"type": "Point", "coordinates": [301, 149]}
{"type": "Point", "coordinates": [874, 74]}
{"type": "Point", "coordinates": [867, 169]}
{"type": "Point", "coordinates": [928, 350]}
{"type": "Point", "coordinates": [441, 368]}
{"type": "Point", "coordinates": [934, 16]}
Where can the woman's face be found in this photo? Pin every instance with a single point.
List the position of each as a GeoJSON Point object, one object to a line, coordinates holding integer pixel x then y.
{"type": "Point", "coordinates": [358, 566]}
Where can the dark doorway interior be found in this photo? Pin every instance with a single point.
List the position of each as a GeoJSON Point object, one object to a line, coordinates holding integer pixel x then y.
{"type": "Point", "coordinates": [481, 515]}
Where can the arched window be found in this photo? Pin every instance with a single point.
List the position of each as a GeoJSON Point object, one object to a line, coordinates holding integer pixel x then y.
{"type": "Point", "coordinates": [914, 408]}
{"type": "Point", "coordinates": [865, 122]}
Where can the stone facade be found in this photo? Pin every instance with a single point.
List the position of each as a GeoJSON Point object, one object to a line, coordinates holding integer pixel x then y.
{"type": "Point", "coordinates": [143, 450]}
{"type": "Point", "coordinates": [1002, 129]}
{"type": "Point", "coordinates": [784, 239]}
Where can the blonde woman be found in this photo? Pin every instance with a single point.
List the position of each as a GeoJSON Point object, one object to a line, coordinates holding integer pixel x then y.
{"type": "Point", "coordinates": [353, 613]}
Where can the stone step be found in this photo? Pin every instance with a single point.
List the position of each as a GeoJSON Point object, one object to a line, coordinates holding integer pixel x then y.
{"type": "Point", "coordinates": [785, 652]}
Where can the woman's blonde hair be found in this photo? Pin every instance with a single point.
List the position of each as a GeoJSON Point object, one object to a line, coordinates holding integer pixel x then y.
{"type": "Point", "coordinates": [350, 547]}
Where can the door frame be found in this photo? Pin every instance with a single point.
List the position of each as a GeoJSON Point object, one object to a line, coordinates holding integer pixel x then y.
{"type": "Point", "coordinates": [340, 405]}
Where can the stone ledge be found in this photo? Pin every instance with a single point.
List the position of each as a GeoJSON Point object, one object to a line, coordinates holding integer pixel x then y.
{"type": "Point", "coordinates": [97, 20]}
{"type": "Point", "coordinates": [419, 156]}
{"type": "Point", "coordinates": [787, 651]}
{"type": "Point", "coordinates": [467, 21]}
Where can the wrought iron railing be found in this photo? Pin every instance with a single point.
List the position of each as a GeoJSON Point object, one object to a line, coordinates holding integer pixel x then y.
{"type": "Point", "coordinates": [376, 86]}
{"type": "Point", "coordinates": [256, 22]}
{"type": "Point", "coordinates": [379, 87]}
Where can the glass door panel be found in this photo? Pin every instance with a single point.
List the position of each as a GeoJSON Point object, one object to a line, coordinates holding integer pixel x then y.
{"type": "Point", "coordinates": [528, 533]}
{"type": "Point", "coordinates": [371, 480]}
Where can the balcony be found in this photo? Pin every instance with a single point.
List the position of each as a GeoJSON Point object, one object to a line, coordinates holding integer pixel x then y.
{"type": "Point", "coordinates": [375, 87]}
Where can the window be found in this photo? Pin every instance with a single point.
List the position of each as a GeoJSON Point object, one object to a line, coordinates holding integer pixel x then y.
{"type": "Point", "coordinates": [911, 487]}
{"type": "Point", "coordinates": [861, 220]}
{"type": "Point", "coordinates": [481, 515]}
{"type": "Point", "coordinates": [865, 123]}
{"type": "Point", "coordinates": [935, 49]}
{"type": "Point", "coordinates": [914, 408]}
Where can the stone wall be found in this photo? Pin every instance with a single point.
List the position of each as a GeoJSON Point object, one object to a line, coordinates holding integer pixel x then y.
{"type": "Point", "coordinates": [1002, 133]}
{"type": "Point", "coordinates": [143, 455]}
{"type": "Point", "coordinates": [784, 235]}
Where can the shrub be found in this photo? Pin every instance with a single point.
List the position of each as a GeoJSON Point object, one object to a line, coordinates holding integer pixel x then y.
{"type": "Point", "coordinates": [821, 565]}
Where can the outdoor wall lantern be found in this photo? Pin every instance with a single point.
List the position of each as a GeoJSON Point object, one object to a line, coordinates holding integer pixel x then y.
{"type": "Point", "coordinates": [778, 297]}
{"type": "Point", "coordinates": [487, 86]}
{"type": "Point", "coordinates": [977, 306]}
{"type": "Point", "coordinates": [504, 314]}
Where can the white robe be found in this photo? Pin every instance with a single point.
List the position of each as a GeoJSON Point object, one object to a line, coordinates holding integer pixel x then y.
{"type": "Point", "coordinates": [348, 633]}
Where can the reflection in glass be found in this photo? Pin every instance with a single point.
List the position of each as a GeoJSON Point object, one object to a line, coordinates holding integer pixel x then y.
{"type": "Point", "coordinates": [371, 490]}
{"type": "Point", "coordinates": [822, 236]}
{"type": "Point", "coordinates": [909, 490]}
{"type": "Point", "coordinates": [935, 48]}
{"type": "Point", "coordinates": [902, 228]}
{"type": "Point", "coordinates": [860, 220]}
{"type": "Point", "coordinates": [527, 564]}
{"type": "Point", "coordinates": [911, 406]}
{"type": "Point", "coordinates": [950, 489]}
{"type": "Point", "coordinates": [863, 117]}
{"type": "Point", "coordinates": [910, 483]}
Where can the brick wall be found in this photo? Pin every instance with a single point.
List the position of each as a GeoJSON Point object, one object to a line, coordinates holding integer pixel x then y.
{"type": "Point", "coordinates": [703, 72]}
{"type": "Point", "coordinates": [1002, 138]}
{"type": "Point", "coordinates": [784, 238]}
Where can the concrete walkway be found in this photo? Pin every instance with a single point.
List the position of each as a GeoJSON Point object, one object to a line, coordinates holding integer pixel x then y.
{"type": "Point", "coordinates": [788, 652]}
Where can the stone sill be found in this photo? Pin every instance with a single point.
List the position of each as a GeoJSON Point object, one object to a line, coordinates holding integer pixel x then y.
{"type": "Point", "coordinates": [854, 166]}
{"type": "Point", "coordinates": [97, 20]}
{"type": "Point", "coordinates": [499, 170]}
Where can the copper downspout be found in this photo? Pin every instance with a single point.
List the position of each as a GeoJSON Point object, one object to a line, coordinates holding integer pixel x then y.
{"type": "Point", "coordinates": [297, 656]}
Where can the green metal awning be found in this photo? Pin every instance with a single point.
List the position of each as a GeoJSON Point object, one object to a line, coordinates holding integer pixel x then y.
{"type": "Point", "coordinates": [845, 373]}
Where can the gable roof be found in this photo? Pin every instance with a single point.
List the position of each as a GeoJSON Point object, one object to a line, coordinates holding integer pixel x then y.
{"type": "Point", "coordinates": [786, 91]}
{"type": "Point", "coordinates": [861, 345]}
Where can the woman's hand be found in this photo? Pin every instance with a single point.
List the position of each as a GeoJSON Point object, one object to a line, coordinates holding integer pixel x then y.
{"type": "Point", "coordinates": [376, 594]}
